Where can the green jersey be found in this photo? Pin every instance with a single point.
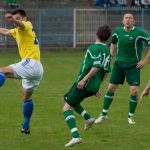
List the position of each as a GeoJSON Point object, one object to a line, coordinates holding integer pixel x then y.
{"type": "Point", "coordinates": [97, 55]}
{"type": "Point", "coordinates": [129, 44]}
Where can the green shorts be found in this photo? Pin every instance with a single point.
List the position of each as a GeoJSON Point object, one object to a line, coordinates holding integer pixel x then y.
{"type": "Point", "coordinates": [121, 71]}
{"type": "Point", "coordinates": [75, 96]}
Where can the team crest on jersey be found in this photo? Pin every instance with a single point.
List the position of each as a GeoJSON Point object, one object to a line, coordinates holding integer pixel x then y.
{"type": "Point", "coordinates": [130, 38]}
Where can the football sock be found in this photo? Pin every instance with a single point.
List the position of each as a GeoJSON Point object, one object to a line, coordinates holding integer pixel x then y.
{"type": "Point", "coordinates": [132, 105]}
{"type": "Point", "coordinates": [27, 112]}
{"type": "Point", "coordinates": [70, 120]}
{"type": "Point", "coordinates": [107, 102]}
{"type": "Point", "coordinates": [81, 111]}
{"type": "Point", "coordinates": [2, 78]}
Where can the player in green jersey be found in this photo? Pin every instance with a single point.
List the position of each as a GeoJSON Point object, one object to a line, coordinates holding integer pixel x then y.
{"type": "Point", "coordinates": [127, 42]}
{"type": "Point", "coordinates": [145, 91]}
{"type": "Point", "coordinates": [94, 68]}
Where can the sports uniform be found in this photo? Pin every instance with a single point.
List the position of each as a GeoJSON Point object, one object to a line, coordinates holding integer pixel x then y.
{"type": "Point", "coordinates": [129, 46]}
{"type": "Point", "coordinates": [128, 54]}
{"type": "Point", "coordinates": [98, 56]}
{"type": "Point", "coordinates": [29, 69]}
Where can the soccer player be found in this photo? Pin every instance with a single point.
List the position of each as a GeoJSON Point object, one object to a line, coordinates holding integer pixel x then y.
{"type": "Point", "coordinates": [94, 68]}
{"type": "Point", "coordinates": [127, 42]}
{"type": "Point", "coordinates": [145, 91]}
{"type": "Point", "coordinates": [29, 69]}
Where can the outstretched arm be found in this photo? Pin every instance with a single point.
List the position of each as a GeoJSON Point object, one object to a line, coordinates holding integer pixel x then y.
{"type": "Point", "coordinates": [142, 63]}
{"type": "Point", "coordinates": [11, 18]}
{"type": "Point", "coordinates": [145, 91]}
{"type": "Point", "coordinates": [4, 31]}
{"type": "Point", "coordinates": [91, 73]}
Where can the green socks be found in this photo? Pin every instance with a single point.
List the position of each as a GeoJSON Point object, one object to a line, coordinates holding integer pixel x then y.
{"type": "Point", "coordinates": [107, 102]}
{"type": "Point", "coordinates": [70, 120]}
{"type": "Point", "coordinates": [80, 110]}
{"type": "Point", "coordinates": [132, 105]}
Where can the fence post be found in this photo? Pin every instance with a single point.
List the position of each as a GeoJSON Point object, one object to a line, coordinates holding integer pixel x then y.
{"type": "Point", "coordinates": [40, 26]}
{"type": "Point", "coordinates": [74, 28]}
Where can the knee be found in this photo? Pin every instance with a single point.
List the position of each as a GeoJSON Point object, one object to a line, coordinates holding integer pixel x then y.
{"type": "Point", "coordinates": [27, 94]}
{"type": "Point", "coordinates": [112, 88]}
{"type": "Point", "coordinates": [7, 71]}
{"type": "Point", "coordinates": [67, 107]}
{"type": "Point", "coordinates": [134, 91]}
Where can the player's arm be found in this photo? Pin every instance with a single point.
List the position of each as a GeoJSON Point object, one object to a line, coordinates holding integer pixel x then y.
{"type": "Point", "coordinates": [99, 94]}
{"type": "Point", "coordinates": [4, 31]}
{"type": "Point", "coordinates": [17, 22]}
{"type": "Point", "coordinates": [114, 41]}
{"type": "Point", "coordinates": [112, 49]}
{"type": "Point", "coordinates": [142, 63]}
{"type": "Point", "coordinates": [145, 37]}
{"type": "Point", "coordinates": [90, 74]}
{"type": "Point", "coordinates": [145, 91]}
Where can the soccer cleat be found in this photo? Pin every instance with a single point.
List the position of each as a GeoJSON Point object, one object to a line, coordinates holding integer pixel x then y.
{"type": "Point", "coordinates": [89, 123]}
{"type": "Point", "coordinates": [26, 131]}
{"type": "Point", "coordinates": [131, 120]}
{"type": "Point", "coordinates": [73, 142]}
{"type": "Point", "coordinates": [100, 119]}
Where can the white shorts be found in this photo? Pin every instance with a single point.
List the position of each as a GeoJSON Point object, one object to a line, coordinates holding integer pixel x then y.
{"type": "Point", "coordinates": [30, 71]}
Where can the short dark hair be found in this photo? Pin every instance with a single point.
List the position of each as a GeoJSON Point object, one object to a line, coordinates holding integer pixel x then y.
{"type": "Point", "coordinates": [20, 11]}
{"type": "Point", "coordinates": [103, 33]}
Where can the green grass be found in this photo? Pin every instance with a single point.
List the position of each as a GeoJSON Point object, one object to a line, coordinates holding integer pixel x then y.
{"type": "Point", "coordinates": [48, 129]}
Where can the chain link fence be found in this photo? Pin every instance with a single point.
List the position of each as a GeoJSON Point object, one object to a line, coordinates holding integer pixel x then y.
{"type": "Point", "coordinates": [73, 27]}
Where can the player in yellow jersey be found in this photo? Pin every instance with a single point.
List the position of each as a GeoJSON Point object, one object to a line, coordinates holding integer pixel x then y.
{"type": "Point", "coordinates": [29, 69]}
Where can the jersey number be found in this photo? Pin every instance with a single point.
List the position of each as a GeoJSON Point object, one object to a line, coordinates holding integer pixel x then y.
{"type": "Point", "coordinates": [35, 40]}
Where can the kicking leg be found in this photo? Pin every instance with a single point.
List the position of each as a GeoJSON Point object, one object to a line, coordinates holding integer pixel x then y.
{"type": "Point", "coordinates": [5, 72]}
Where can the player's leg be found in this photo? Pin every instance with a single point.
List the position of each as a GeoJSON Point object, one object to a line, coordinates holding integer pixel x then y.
{"type": "Point", "coordinates": [72, 100]}
{"type": "Point", "coordinates": [31, 72]}
{"type": "Point", "coordinates": [108, 98]}
{"type": "Point", "coordinates": [81, 111]}
{"type": "Point", "coordinates": [117, 77]}
{"type": "Point", "coordinates": [27, 110]}
{"type": "Point", "coordinates": [132, 103]}
{"type": "Point", "coordinates": [133, 79]}
{"type": "Point", "coordinates": [89, 120]}
{"type": "Point", "coordinates": [5, 72]}
{"type": "Point", "coordinates": [71, 122]}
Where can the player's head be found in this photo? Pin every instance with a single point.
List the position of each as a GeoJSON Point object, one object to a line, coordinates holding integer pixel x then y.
{"type": "Point", "coordinates": [20, 15]}
{"type": "Point", "coordinates": [103, 33]}
{"type": "Point", "coordinates": [128, 20]}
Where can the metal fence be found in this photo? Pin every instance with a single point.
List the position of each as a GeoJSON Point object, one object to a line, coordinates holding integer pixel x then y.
{"type": "Point", "coordinates": [74, 27]}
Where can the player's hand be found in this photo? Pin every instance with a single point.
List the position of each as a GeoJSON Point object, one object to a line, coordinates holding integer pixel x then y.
{"type": "Point", "coordinates": [9, 16]}
{"type": "Point", "coordinates": [140, 64]}
{"type": "Point", "coordinates": [143, 94]}
{"type": "Point", "coordinates": [81, 84]}
{"type": "Point", "coordinates": [98, 94]}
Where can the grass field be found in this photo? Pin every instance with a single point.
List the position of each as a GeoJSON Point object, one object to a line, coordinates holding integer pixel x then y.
{"type": "Point", "coordinates": [48, 129]}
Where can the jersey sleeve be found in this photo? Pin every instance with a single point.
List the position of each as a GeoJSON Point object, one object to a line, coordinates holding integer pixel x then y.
{"type": "Point", "coordinates": [114, 39]}
{"type": "Point", "coordinates": [13, 32]}
{"type": "Point", "coordinates": [27, 25]}
{"type": "Point", "coordinates": [146, 38]}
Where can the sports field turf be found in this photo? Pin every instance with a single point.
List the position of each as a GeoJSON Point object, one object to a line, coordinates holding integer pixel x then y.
{"type": "Point", "coordinates": [48, 129]}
